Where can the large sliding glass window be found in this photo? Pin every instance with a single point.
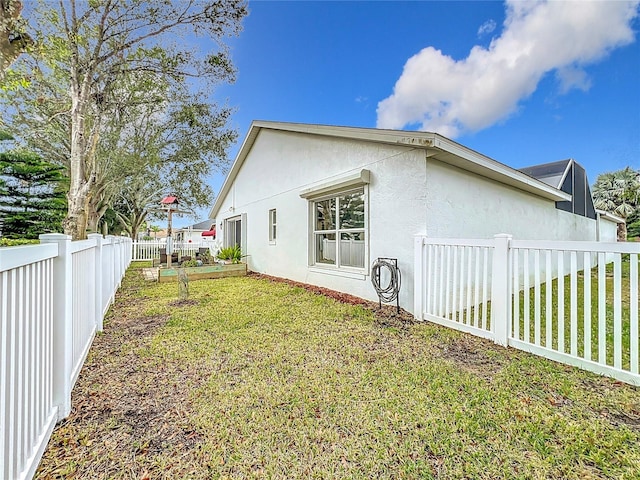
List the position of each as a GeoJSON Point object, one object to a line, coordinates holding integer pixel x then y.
{"type": "Point", "coordinates": [339, 229]}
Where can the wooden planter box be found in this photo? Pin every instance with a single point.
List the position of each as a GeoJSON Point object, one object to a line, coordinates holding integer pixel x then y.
{"type": "Point", "coordinates": [205, 271]}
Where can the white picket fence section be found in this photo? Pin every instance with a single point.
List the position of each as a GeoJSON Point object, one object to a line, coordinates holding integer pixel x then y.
{"type": "Point", "coordinates": [352, 252]}
{"type": "Point", "coordinates": [53, 298]}
{"type": "Point", "coordinates": [514, 292]}
{"type": "Point", "coordinates": [150, 249]}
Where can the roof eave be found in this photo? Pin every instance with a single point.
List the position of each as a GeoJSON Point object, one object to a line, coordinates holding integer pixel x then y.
{"type": "Point", "coordinates": [254, 129]}
{"type": "Point", "coordinates": [466, 158]}
{"type": "Point", "coordinates": [610, 216]}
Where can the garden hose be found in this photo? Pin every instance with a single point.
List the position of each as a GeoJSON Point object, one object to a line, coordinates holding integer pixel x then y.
{"type": "Point", "coordinates": [389, 293]}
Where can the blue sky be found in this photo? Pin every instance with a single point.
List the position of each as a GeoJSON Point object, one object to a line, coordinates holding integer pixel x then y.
{"type": "Point", "coordinates": [524, 83]}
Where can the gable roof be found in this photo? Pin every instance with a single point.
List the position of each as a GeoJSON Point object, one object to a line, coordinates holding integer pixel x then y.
{"type": "Point", "coordinates": [169, 200]}
{"type": "Point", "coordinates": [203, 225]}
{"type": "Point", "coordinates": [570, 177]}
{"type": "Point", "coordinates": [436, 146]}
{"type": "Point", "coordinates": [552, 173]}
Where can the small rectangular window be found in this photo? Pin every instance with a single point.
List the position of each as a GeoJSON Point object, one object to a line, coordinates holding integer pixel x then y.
{"type": "Point", "coordinates": [272, 226]}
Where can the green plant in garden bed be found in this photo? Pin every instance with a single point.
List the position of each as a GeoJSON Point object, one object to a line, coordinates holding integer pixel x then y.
{"type": "Point", "coordinates": [233, 254]}
{"type": "Point", "coordinates": [206, 258]}
{"type": "Point", "coordinates": [253, 378]}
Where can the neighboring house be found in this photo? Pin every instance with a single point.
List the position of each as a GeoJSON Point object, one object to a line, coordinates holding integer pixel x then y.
{"type": "Point", "coordinates": [570, 177]}
{"type": "Point", "coordinates": [318, 204]}
{"type": "Point", "coordinates": [198, 232]}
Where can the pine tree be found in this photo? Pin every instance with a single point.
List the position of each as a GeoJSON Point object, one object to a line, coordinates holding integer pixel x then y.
{"type": "Point", "coordinates": [32, 195]}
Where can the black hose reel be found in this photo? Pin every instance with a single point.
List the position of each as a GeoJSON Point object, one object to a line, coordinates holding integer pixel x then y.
{"type": "Point", "coordinates": [388, 293]}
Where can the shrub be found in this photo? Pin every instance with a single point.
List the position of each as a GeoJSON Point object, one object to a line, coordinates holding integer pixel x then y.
{"type": "Point", "coordinates": [230, 253]}
{"type": "Point", "coordinates": [206, 257]}
{"type": "Point", "coordinates": [12, 242]}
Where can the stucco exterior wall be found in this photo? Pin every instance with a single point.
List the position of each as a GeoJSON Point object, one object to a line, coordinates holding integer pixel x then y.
{"type": "Point", "coordinates": [407, 195]}
{"type": "Point", "coordinates": [463, 205]}
{"type": "Point", "coordinates": [608, 230]}
{"type": "Point", "coordinates": [281, 164]}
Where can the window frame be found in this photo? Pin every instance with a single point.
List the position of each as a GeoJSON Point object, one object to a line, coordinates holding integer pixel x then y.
{"type": "Point", "coordinates": [231, 231]}
{"type": "Point", "coordinates": [273, 226]}
{"type": "Point", "coordinates": [337, 266]}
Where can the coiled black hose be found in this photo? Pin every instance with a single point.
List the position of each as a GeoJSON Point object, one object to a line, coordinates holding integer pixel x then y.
{"type": "Point", "coordinates": [389, 293]}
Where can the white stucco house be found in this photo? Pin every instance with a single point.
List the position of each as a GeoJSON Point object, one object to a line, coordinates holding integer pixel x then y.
{"type": "Point", "coordinates": [318, 204]}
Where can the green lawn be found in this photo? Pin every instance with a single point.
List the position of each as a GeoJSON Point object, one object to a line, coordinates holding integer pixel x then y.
{"type": "Point", "coordinates": [598, 336]}
{"type": "Point", "coordinates": [254, 379]}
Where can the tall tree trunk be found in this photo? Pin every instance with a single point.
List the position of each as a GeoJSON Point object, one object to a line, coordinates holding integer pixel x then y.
{"type": "Point", "coordinates": [137, 220]}
{"type": "Point", "coordinates": [622, 232]}
{"type": "Point", "coordinates": [95, 212]}
{"type": "Point", "coordinates": [75, 224]}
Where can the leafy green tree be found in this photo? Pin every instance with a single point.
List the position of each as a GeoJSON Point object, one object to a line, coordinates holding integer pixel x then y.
{"type": "Point", "coordinates": [155, 229]}
{"type": "Point", "coordinates": [110, 224]}
{"type": "Point", "coordinates": [136, 201]}
{"type": "Point", "coordinates": [633, 224]}
{"type": "Point", "coordinates": [619, 193]}
{"type": "Point", "coordinates": [85, 52]}
{"type": "Point", "coordinates": [32, 195]}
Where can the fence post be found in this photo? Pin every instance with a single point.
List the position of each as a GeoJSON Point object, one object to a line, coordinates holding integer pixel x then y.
{"type": "Point", "coordinates": [129, 254]}
{"type": "Point", "coordinates": [118, 262]}
{"type": "Point", "coordinates": [111, 286]}
{"type": "Point", "coordinates": [62, 322]}
{"type": "Point", "coordinates": [98, 280]}
{"type": "Point", "coordinates": [418, 277]}
{"type": "Point", "coordinates": [500, 289]}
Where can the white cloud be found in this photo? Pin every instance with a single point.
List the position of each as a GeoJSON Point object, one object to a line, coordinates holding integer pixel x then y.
{"type": "Point", "coordinates": [573, 77]}
{"type": "Point", "coordinates": [487, 27]}
{"type": "Point", "coordinates": [453, 96]}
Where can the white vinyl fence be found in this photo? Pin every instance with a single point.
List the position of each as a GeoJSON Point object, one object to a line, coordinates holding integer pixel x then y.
{"type": "Point", "coordinates": [573, 302]}
{"type": "Point", "coordinates": [53, 297]}
{"type": "Point", "coordinates": [150, 249]}
{"type": "Point", "coordinates": [352, 252]}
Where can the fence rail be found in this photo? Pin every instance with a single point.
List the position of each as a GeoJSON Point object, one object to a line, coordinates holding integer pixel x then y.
{"type": "Point", "coordinates": [573, 302]}
{"type": "Point", "coordinates": [150, 249]}
{"type": "Point", "coordinates": [53, 298]}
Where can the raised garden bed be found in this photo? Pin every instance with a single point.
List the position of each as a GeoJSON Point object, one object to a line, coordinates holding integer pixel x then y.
{"type": "Point", "coordinates": [205, 271]}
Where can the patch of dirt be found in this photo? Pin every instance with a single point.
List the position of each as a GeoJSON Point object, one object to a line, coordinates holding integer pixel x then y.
{"type": "Point", "coordinates": [469, 354]}
{"type": "Point", "coordinates": [184, 303]}
{"type": "Point", "coordinates": [623, 419]}
{"type": "Point", "coordinates": [124, 406]}
{"type": "Point", "coordinates": [145, 326]}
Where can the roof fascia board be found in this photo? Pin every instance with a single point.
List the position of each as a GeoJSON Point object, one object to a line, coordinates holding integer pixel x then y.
{"type": "Point", "coordinates": [610, 216]}
{"type": "Point", "coordinates": [394, 137]}
{"type": "Point", "coordinates": [566, 172]}
{"type": "Point", "coordinates": [235, 168]}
